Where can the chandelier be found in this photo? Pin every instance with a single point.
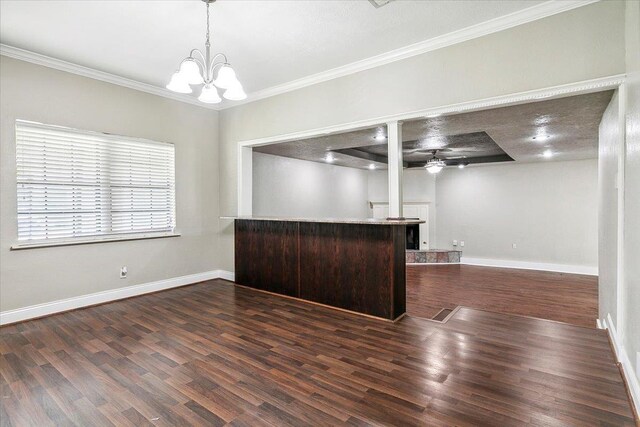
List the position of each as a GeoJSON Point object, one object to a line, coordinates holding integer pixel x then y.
{"type": "Point", "coordinates": [435, 165]}
{"type": "Point", "coordinates": [200, 68]}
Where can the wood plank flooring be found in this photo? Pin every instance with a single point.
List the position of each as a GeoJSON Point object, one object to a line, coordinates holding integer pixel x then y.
{"type": "Point", "coordinates": [569, 298]}
{"type": "Point", "coordinates": [215, 354]}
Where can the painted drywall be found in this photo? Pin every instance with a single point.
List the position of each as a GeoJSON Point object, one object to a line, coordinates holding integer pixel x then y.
{"type": "Point", "coordinates": [418, 186]}
{"type": "Point", "coordinates": [577, 45]}
{"type": "Point", "coordinates": [36, 93]}
{"type": "Point", "coordinates": [548, 209]}
{"type": "Point", "coordinates": [304, 189]}
{"type": "Point", "coordinates": [608, 152]}
{"type": "Point", "coordinates": [631, 327]}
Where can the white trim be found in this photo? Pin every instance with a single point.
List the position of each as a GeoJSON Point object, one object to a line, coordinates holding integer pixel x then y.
{"type": "Point", "coordinates": [527, 265]}
{"type": "Point", "coordinates": [623, 358]}
{"type": "Point", "coordinates": [244, 176]}
{"type": "Point", "coordinates": [227, 275]}
{"type": "Point", "coordinates": [599, 324]}
{"type": "Point", "coordinates": [89, 240]}
{"type": "Point", "coordinates": [69, 67]}
{"type": "Point", "coordinates": [39, 310]}
{"type": "Point", "coordinates": [585, 86]}
{"type": "Point", "coordinates": [495, 25]}
{"type": "Point", "coordinates": [621, 290]}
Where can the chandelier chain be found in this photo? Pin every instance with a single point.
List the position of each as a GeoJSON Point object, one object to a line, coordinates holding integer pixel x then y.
{"type": "Point", "coordinates": [207, 25]}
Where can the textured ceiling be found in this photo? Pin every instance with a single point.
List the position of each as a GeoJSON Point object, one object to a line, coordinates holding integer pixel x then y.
{"type": "Point", "coordinates": [568, 127]}
{"type": "Point", "coordinates": [268, 42]}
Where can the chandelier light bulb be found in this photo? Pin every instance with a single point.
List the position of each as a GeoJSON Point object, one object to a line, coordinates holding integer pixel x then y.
{"type": "Point", "coordinates": [235, 93]}
{"type": "Point", "coordinates": [178, 85]}
{"type": "Point", "coordinates": [209, 95]}
{"type": "Point", "coordinates": [190, 72]}
{"type": "Point", "coordinates": [199, 69]}
{"type": "Point", "coordinates": [226, 78]}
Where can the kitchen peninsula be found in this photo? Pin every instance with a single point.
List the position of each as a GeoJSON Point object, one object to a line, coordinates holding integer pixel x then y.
{"type": "Point", "coordinates": [350, 264]}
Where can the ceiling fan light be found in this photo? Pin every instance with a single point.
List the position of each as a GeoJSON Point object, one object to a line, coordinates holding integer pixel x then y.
{"type": "Point", "coordinates": [226, 77]}
{"type": "Point", "coordinates": [209, 95]}
{"type": "Point", "coordinates": [435, 165]}
{"type": "Point", "coordinates": [176, 84]}
{"type": "Point", "coordinates": [434, 168]}
{"type": "Point", "coordinates": [235, 93]}
{"type": "Point", "coordinates": [190, 72]}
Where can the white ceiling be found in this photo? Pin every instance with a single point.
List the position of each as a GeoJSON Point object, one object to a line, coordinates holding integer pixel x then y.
{"type": "Point", "coordinates": [269, 42]}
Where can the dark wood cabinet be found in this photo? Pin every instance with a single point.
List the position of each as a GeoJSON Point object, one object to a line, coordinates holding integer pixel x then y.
{"type": "Point", "coordinates": [353, 266]}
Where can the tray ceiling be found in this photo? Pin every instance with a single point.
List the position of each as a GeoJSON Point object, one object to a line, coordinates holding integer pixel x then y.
{"type": "Point", "coordinates": [566, 126]}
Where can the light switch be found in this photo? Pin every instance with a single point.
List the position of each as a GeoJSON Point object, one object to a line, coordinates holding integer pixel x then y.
{"type": "Point", "coordinates": [462, 243]}
{"type": "Point", "coordinates": [455, 243]}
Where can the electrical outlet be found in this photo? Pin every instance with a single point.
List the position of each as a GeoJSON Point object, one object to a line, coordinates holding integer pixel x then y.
{"type": "Point", "coordinates": [455, 243]}
{"type": "Point", "coordinates": [123, 272]}
{"type": "Point", "coordinates": [514, 246]}
{"type": "Point", "coordinates": [462, 243]}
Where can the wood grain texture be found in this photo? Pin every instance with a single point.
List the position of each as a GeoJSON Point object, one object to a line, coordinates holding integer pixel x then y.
{"type": "Point", "coordinates": [215, 354]}
{"type": "Point", "coordinates": [350, 267]}
{"type": "Point", "coordinates": [569, 298]}
{"type": "Point", "coordinates": [266, 255]}
{"type": "Point", "coordinates": [357, 267]}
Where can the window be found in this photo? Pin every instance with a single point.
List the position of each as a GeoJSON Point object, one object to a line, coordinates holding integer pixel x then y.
{"type": "Point", "coordinates": [77, 185]}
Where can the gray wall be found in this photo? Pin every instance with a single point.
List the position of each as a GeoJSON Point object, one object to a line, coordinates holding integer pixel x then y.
{"type": "Point", "coordinates": [548, 209]}
{"type": "Point", "coordinates": [577, 45]}
{"type": "Point", "coordinates": [610, 134]}
{"type": "Point", "coordinates": [33, 276]}
{"type": "Point", "coordinates": [303, 189]}
{"type": "Point", "coordinates": [631, 335]}
{"type": "Point", "coordinates": [418, 186]}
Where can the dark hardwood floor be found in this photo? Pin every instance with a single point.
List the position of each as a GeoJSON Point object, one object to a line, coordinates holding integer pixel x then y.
{"type": "Point", "coordinates": [216, 354]}
{"type": "Point", "coordinates": [568, 298]}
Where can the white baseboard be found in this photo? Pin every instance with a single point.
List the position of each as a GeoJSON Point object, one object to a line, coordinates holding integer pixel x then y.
{"type": "Point", "coordinates": [526, 265]}
{"type": "Point", "coordinates": [39, 310]}
{"type": "Point", "coordinates": [623, 358]}
{"type": "Point", "coordinates": [227, 275]}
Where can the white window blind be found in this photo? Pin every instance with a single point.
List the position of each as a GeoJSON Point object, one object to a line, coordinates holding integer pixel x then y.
{"type": "Point", "coordinates": [81, 185]}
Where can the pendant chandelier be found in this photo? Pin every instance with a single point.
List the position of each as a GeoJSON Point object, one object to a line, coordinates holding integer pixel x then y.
{"type": "Point", "coordinates": [200, 68]}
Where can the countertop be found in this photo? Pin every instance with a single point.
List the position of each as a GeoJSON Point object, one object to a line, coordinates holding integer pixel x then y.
{"type": "Point", "coordinates": [365, 221]}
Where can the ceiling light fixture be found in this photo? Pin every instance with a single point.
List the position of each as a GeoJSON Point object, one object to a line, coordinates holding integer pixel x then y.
{"type": "Point", "coordinates": [435, 165]}
{"type": "Point", "coordinates": [547, 154]}
{"type": "Point", "coordinates": [329, 158]}
{"type": "Point", "coordinates": [380, 137]}
{"type": "Point", "coordinates": [462, 165]}
{"type": "Point", "coordinates": [199, 68]}
{"type": "Point", "coordinates": [372, 166]}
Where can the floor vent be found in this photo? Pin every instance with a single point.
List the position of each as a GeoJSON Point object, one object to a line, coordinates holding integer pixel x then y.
{"type": "Point", "coordinates": [442, 315]}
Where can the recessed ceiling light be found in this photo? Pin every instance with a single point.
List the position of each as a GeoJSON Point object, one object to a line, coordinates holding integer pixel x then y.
{"type": "Point", "coordinates": [329, 158]}
{"type": "Point", "coordinates": [461, 166]}
{"type": "Point", "coordinates": [380, 137]}
{"type": "Point", "coordinates": [547, 153]}
{"type": "Point", "coordinates": [372, 166]}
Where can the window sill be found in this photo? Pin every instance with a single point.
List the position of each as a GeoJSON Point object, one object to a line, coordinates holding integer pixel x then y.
{"type": "Point", "coordinates": [122, 238]}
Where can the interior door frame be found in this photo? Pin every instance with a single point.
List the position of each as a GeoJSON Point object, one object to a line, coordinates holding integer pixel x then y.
{"type": "Point", "coordinates": [245, 147]}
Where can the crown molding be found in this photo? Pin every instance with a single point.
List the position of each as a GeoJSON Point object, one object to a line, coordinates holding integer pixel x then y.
{"type": "Point", "coordinates": [523, 16]}
{"type": "Point", "coordinates": [69, 67]}
{"type": "Point", "coordinates": [501, 23]}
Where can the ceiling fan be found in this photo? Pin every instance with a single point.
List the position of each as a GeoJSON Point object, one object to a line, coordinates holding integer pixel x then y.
{"type": "Point", "coordinates": [435, 164]}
